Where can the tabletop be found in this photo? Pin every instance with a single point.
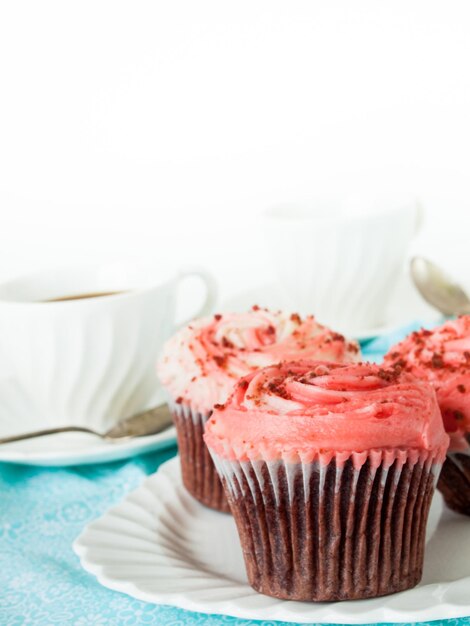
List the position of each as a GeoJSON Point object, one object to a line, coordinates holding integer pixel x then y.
{"type": "Point", "coordinates": [42, 512]}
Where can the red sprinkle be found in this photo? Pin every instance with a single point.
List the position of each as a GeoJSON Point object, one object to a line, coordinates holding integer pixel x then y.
{"type": "Point", "coordinates": [390, 375]}
{"type": "Point", "coordinates": [461, 388]}
{"type": "Point", "coordinates": [437, 361]}
{"type": "Point", "coordinates": [417, 338]}
{"type": "Point", "coordinates": [227, 343]}
{"type": "Point", "coordinates": [337, 337]}
{"type": "Point", "coordinates": [353, 347]}
{"type": "Point", "coordinates": [399, 364]}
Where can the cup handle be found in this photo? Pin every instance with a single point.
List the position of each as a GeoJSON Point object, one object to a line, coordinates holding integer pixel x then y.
{"type": "Point", "coordinates": [211, 290]}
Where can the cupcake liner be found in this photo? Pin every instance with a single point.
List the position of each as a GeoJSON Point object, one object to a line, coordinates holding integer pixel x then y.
{"type": "Point", "coordinates": [197, 468]}
{"type": "Point", "coordinates": [349, 529]}
{"type": "Point", "coordinates": [454, 481]}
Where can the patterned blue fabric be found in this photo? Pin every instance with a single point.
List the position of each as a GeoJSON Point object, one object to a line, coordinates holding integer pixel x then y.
{"type": "Point", "coordinates": [43, 510]}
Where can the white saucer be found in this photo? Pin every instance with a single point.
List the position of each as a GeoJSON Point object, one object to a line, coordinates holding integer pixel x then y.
{"type": "Point", "coordinates": [161, 546]}
{"type": "Point", "coordinates": [406, 306]}
{"type": "Point", "coordinates": [18, 414]}
{"type": "Point", "coordinates": [81, 449]}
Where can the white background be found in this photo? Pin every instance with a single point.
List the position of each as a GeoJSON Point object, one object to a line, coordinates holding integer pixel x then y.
{"type": "Point", "coordinates": [160, 129]}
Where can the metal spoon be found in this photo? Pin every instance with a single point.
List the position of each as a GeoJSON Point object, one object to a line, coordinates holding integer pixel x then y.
{"type": "Point", "coordinates": [148, 422]}
{"type": "Point", "coordinates": [438, 289]}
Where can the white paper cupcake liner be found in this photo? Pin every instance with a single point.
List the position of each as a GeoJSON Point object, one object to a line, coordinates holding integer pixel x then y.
{"type": "Point", "coordinates": [314, 531]}
{"type": "Point", "coordinates": [197, 468]}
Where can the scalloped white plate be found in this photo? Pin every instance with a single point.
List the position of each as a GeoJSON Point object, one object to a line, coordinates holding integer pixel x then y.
{"type": "Point", "coordinates": [161, 546]}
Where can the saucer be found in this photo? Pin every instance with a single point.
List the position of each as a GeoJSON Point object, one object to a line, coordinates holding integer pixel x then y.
{"type": "Point", "coordinates": [406, 305]}
{"type": "Point", "coordinates": [18, 414]}
{"type": "Point", "coordinates": [81, 449]}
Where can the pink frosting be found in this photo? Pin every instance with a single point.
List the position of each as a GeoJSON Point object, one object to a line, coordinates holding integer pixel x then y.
{"type": "Point", "coordinates": [303, 410]}
{"type": "Point", "coordinates": [441, 357]}
{"type": "Point", "coordinates": [201, 363]}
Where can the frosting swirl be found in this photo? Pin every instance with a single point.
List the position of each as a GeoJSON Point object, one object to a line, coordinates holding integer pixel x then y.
{"type": "Point", "coordinates": [442, 357]}
{"type": "Point", "coordinates": [296, 411]}
{"type": "Point", "coordinates": [202, 362]}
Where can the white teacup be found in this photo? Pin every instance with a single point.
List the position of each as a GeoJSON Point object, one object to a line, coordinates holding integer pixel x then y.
{"type": "Point", "coordinates": [340, 261]}
{"type": "Point", "coordinates": [88, 361]}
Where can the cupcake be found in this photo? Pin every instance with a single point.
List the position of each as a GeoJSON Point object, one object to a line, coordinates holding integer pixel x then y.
{"type": "Point", "coordinates": [200, 365]}
{"type": "Point", "coordinates": [442, 357]}
{"type": "Point", "coordinates": [329, 470]}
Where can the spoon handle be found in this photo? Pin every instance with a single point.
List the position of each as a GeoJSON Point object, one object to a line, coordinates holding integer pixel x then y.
{"type": "Point", "coordinates": [148, 422]}
{"type": "Point", "coordinates": [49, 431]}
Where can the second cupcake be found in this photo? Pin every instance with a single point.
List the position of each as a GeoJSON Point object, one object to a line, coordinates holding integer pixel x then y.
{"type": "Point", "coordinates": [201, 364]}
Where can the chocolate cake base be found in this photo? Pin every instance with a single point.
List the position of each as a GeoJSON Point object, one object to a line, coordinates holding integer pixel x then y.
{"type": "Point", "coordinates": [328, 534]}
{"type": "Point", "coordinates": [197, 468]}
{"type": "Point", "coordinates": [454, 482]}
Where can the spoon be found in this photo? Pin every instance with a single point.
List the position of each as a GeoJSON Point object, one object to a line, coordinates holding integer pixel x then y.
{"type": "Point", "coordinates": [149, 422]}
{"type": "Point", "coordinates": [438, 289]}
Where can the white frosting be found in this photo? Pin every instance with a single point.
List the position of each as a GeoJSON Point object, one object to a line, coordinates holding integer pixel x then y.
{"type": "Point", "coordinates": [202, 362]}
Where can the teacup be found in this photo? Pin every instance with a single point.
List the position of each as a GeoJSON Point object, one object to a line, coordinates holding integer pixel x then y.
{"type": "Point", "coordinates": [83, 343]}
{"type": "Point", "coordinates": [340, 261]}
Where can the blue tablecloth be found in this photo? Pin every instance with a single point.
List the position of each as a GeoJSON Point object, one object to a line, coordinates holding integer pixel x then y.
{"type": "Point", "coordinates": [42, 511]}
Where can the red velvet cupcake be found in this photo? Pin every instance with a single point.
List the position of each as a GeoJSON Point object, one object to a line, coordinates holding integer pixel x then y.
{"type": "Point", "coordinates": [329, 470]}
{"type": "Point", "coordinates": [201, 364]}
{"type": "Point", "coordinates": [442, 357]}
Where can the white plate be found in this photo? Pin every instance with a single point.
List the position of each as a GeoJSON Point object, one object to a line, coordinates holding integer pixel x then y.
{"type": "Point", "coordinates": [161, 546]}
{"type": "Point", "coordinates": [80, 449]}
{"type": "Point", "coordinates": [406, 305]}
